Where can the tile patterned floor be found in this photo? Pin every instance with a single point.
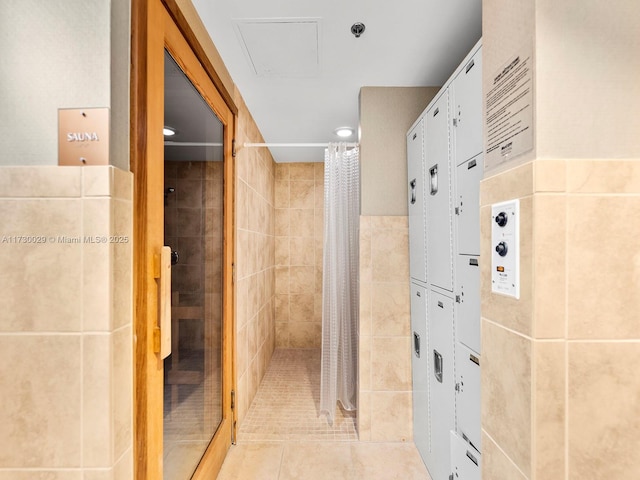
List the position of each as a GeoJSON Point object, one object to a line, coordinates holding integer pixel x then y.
{"type": "Point", "coordinates": [282, 437]}
{"type": "Point", "coordinates": [287, 403]}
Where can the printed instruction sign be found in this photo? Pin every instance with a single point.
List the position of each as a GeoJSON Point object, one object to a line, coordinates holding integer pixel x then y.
{"type": "Point", "coordinates": [509, 111]}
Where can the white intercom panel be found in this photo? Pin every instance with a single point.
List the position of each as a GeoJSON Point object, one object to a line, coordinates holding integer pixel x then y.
{"type": "Point", "coordinates": [505, 248]}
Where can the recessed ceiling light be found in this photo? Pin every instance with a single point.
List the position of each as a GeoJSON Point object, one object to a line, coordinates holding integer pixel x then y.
{"type": "Point", "coordinates": [344, 132]}
{"type": "Point", "coordinates": [168, 131]}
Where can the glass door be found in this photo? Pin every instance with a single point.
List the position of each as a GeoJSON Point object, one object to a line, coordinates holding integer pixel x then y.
{"type": "Point", "coordinates": [193, 228]}
{"type": "Point", "coordinates": [183, 198]}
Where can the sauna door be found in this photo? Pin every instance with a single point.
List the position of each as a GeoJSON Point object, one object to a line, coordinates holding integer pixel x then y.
{"type": "Point", "coordinates": [184, 419]}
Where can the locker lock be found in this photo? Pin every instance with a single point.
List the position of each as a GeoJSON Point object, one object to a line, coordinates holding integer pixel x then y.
{"type": "Point", "coordinates": [502, 219]}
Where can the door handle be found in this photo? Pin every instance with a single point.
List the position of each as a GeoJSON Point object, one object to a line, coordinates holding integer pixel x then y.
{"type": "Point", "coordinates": [412, 184]}
{"type": "Point", "coordinates": [472, 457]}
{"type": "Point", "coordinates": [416, 344]}
{"type": "Point", "coordinates": [437, 365]}
{"type": "Point", "coordinates": [162, 331]}
{"type": "Point", "coordinates": [433, 184]}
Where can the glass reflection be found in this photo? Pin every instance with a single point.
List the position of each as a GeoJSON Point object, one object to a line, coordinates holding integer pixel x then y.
{"type": "Point", "coordinates": [194, 230]}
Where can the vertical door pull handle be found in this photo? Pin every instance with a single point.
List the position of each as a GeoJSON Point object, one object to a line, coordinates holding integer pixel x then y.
{"type": "Point", "coordinates": [162, 330]}
{"type": "Point", "coordinates": [469, 66]}
{"type": "Point", "coordinates": [412, 184]}
{"type": "Point", "coordinates": [416, 344]}
{"type": "Point", "coordinates": [433, 184]}
{"type": "Point", "coordinates": [437, 365]}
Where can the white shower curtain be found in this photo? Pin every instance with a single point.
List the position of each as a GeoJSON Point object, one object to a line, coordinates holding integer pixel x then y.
{"type": "Point", "coordinates": [340, 299]}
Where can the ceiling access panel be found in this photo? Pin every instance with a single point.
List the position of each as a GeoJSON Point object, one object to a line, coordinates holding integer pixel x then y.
{"type": "Point", "coordinates": [281, 47]}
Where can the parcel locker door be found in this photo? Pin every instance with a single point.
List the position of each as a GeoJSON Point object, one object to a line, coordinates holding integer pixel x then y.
{"type": "Point", "coordinates": [468, 395]}
{"type": "Point", "coordinates": [416, 202]}
{"type": "Point", "coordinates": [468, 301]}
{"type": "Point", "coordinates": [467, 110]}
{"type": "Point", "coordinates": [467, 205]}
{"type": "Point", "coordinates": [420, 374]}
{"type": "Point", "coordinates": [441, 382]}
{"type": "Point", "coordinates": [466, 463]}
{"type": "Point", "coordinates": [438, 195]}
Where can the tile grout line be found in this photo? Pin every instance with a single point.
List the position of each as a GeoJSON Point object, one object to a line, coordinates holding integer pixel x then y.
{"type": "Point", "coordinates": [284, 445]}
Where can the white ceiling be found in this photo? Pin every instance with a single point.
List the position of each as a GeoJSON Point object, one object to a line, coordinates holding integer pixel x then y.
{"type": "Point", "coordinates": [300, 69]}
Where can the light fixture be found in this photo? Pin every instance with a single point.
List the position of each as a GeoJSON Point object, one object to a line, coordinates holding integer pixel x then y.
{"type": "Point", "coordinates": [168, 131]}
{"type": "Point", "coordinates": [344, 132]}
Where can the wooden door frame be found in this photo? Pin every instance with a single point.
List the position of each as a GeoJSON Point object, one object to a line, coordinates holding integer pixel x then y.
{"type": "Point", "coordinates": [154, 25]}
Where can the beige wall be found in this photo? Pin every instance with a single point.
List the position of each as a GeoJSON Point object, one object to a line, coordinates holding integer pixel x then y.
{"type": "Point", "coordinates": [71, 55]}
{"type": "Point", "coordinates": [572, 339]}
{"type": "Point", "coordinates": [66, 328]}
{"type": "Point", "coordinates": [66, 331]}
{"type": "Point", "coordinates": [299, 238]}
{"type": "Point", "coordinates": [384, 396]}
{"type": "Point", "coordinates": [386, 113]}
{"type": "Point", "coordinates": [588, 94]}
{"type": "Point", "coordinates": [384, 357]}
{"type": "Point", "coordinates": [255, 260]}
{"type": "Point", "coordinates": [587, 99]}
{"type": "Point", "coordinates": [566, 407]}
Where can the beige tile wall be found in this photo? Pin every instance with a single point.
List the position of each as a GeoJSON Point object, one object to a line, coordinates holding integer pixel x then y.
{"type": "Point", "coordinates": [299, 239]}
{"type": "Point", "coordinates": [255, 260]}
{"type": "Point", "coordinates": [567, 405]}
{"type": "Point", "coordinates": [385, 390]}
{"type": "Point", "coordinates": [569, 394]}
{"type": "Point", "coordinates": [194, 228]}
{"type": "Point", "coordinates": [66, 337]}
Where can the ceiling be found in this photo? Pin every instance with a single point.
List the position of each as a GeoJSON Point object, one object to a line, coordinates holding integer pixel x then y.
{"type": "Point", "coordinates": [300, 69]}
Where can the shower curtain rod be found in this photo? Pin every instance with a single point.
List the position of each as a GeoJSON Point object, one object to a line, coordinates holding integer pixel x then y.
{"type": "Point", "coordinates": [323, 145]}
{"type": "Point", "coordinates": [169, 143]}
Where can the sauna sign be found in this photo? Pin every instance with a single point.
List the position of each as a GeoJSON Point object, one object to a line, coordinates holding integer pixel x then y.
{"type": "Point", "coordinates": [509, 111]}
{"type": "Point", "coordinates": [83, 136]}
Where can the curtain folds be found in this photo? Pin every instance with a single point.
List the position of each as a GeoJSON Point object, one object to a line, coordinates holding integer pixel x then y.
{"type": "Point", "coordinates": [340, 297]}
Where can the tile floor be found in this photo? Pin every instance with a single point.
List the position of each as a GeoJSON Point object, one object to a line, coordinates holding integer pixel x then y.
{"type": "Point", "coordinates": [282, 437]}
{"type": "Point", "coordinates": [287, 403]}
